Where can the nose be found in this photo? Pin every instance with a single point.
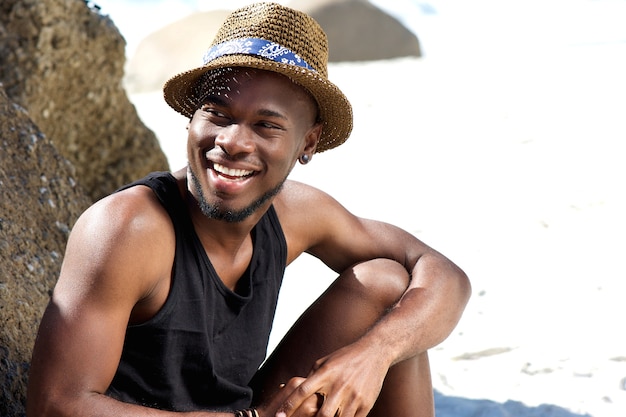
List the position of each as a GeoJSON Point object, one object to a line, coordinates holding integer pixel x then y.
{"type": "Point", "coordinates": [235, 140]}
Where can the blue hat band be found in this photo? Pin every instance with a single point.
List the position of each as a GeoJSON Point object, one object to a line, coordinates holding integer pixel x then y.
{"type": "Point", "coordinates": [259, 47]}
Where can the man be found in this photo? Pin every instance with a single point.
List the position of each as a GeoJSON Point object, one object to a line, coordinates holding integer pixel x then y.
{"type": "Point", "coordinates": [168, 288]}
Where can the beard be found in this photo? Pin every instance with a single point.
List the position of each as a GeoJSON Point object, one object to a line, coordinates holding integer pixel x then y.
{"type": "Point", "coordinates": [218, 212]}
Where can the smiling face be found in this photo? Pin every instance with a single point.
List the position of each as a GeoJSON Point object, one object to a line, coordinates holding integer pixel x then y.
{"type": "Point", "coordinates": [245, 138]}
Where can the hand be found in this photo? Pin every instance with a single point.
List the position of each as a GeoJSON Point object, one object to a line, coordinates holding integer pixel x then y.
{"type": "Point", "coordinates": [349, 380]}
{"type": "Point", "coordinates": [309, 407]}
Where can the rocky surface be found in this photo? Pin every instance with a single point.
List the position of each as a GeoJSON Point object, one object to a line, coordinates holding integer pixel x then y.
{"type": "Point", "coordinates": [40, 202]}
{"type": "Point", "coordinates": [68, 136]}
{"type": "Point", "coordinates": [64, 62]}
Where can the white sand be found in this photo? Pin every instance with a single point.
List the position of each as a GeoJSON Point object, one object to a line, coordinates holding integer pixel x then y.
{"type": "Point", "coordinates": [514, 169]}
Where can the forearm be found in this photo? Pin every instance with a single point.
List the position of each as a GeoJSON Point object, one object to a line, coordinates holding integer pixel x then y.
{"type": "Point", "coordinates": [427, 312]}
{"type": "Point", "coordinates": [98, 405]}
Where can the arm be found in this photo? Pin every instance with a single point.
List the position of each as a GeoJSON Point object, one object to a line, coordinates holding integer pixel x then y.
{"type": "Point", "coordinates": [425, 315]}
{"type": "Point", "coordinates": [433, 301]}
{"type": "Point", "coordinates": [117, 260]}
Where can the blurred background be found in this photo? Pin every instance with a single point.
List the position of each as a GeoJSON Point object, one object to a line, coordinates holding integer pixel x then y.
{"type": "Point", "coordinates": [444, 27]}
{"type": "Point", "coordinates": [500, 145]}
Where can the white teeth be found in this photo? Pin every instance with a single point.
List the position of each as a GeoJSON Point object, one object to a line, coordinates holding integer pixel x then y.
{"type": "Point", "coordinates": [231, 172]}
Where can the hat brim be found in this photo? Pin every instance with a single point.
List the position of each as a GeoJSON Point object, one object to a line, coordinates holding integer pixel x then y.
{"type": "Point", "coordinates": [335, 109]}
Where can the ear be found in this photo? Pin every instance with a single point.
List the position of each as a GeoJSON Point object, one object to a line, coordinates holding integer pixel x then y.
{"type": "Point", "coordinates": [312, 138]}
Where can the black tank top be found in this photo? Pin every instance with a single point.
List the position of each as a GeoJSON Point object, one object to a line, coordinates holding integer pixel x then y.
{"type": "Point", "coordinates": [200, 351]}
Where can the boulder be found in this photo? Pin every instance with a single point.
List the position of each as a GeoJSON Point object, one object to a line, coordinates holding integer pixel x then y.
{"type": "Point", "coordinates": [64, 62]}
{"type": "Point", "coordinates": [40, 202]}
{"type": "Point", "coordinates": [170, 50]}
{"type": "Point", "coordinates": [359, 31]}
{"type": "Point", "coordinates": [68, 136]}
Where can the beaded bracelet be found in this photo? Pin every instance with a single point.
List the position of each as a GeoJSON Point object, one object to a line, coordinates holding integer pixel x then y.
{"type": "Point", "coordinates": [248, 412]}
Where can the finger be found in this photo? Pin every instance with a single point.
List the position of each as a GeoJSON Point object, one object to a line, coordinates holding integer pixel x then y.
{"type": "Point", "coordinates": [309, 407]}
{"type": "Point", "coordinates": [349, 410]}
{"type": "Point", "coordinates": [321, 397]}
{"type": "Point", "coordinates": [301, 393]}
{"type": "Point", "coordinates": [275, 399]}
{"type": "Point", "coordinates": [353, 409]}
{"type": "Point", "coordinates": [340, 407]}
{"type": "Point", "coordinates": [330, 407]}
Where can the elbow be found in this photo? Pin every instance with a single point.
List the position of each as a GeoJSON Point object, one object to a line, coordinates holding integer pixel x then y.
{"type": "Point", "coordinates": [43, 407]}
{"type": "Point", "coordinates": [49, 406]}
{"type": "Point", "coordinates": [454, 297]}
{"type": "Point", "coordinates": [459, 288]}
{"type": "Point", "coordinates": [465, 286]}
{"type": "Point", "coordinates": [451, 283]}
{"type": "Point", "coordinates": [48, 402]}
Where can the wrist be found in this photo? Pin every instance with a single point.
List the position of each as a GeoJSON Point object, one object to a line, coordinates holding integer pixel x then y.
{"type": "Point", "coordinates": [377, 352]}
{"type": "Point", "coordinates": [247, 412]}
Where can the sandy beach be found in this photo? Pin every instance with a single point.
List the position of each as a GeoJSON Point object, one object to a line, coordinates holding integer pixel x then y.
{"type": "Point", "coordinates": [513, 168]}
{"type": "Point", "coordinates": [503, 149]}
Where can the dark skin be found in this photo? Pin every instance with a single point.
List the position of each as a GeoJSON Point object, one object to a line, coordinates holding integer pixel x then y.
{"type": "Point", "coordinates": [119, 259]}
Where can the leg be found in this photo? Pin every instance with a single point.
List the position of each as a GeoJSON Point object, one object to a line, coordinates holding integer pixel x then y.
{"type": "Point", "coordinates": [407, 391]}
{"type": "Point", "coordinates": [351, 305]}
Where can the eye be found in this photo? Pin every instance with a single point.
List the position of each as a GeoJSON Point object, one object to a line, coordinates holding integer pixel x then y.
{"type": "Point", "coordinates": [213, 115]}
{"type": "Point", "coordinates": [268, 125]}
{"type": "Point", "coordinates": [212, 110]}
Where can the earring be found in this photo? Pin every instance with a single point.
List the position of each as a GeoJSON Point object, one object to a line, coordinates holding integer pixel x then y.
{"type": "Point", "coordinates": [304, 159]}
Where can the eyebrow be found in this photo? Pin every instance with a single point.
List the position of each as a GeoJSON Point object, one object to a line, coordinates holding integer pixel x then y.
{"type": "Point", "coordinates": [220, 101]}
{"type": "Point", "coordinates": [212, 98]}
{"type": "Point", "coordinates": [271, 113]}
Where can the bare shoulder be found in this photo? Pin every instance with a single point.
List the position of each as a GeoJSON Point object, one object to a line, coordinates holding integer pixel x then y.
{"type": "Point", "coordinates": [316, 223]}
{"type": "Point", "coordinates": [131, 215]}
{"type": "Point", "coordinates": [295, 193]}
{"type": "Point", "coordinates": [309, 217]}
{"type": "Point", "coordinates": [123, 243]}
{"type": "Point", "coordinates": [300, 203]}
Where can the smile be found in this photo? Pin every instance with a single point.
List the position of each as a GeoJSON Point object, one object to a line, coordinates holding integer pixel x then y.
{"type": "Point", "coordinates": [233, 174]}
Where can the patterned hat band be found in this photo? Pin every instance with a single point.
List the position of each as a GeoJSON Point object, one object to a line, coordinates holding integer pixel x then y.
{"type": "Point", "coordinates": [259, 47]}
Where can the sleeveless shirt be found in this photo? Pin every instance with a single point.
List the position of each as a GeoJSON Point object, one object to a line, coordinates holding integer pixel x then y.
{"type": "Point", "coordinates": [200, 351]}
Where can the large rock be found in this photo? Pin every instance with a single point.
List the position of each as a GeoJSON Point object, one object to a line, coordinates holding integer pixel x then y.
{"type": "Point", "coordinates": [359, 31]}
{"type": "Point", "coordinates": [40, 202]}
{"type": "Point", "coordinates": [68, 136]}
{"type": "Point", "coordinates": [172, 49]}
{"type": "Point", "coordinates": [64, 62]}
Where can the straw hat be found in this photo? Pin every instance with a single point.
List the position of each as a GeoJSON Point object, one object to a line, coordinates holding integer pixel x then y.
{"type": "Point", "coordinates": [272, 37]}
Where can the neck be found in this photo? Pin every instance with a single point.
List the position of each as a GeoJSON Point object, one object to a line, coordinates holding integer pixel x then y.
{"type": "Point", "coordinates": [223, 232]}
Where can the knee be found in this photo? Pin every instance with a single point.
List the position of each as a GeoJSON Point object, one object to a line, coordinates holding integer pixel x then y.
{"type": "Point", "coordinates": [383, 280]}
